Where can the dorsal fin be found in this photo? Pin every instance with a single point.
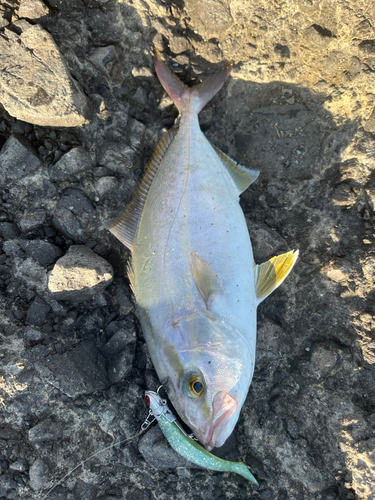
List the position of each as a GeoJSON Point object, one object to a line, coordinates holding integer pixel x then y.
{"type": "Point", "coordinates": [270, 274]}
{"type": "Point", "coordinates": [242, 176]}
{"type": "Point", "coordinates": [125, 225]}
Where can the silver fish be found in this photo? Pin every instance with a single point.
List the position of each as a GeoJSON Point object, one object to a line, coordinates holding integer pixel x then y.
{"type": "Point", "coordinates": [192, 271]}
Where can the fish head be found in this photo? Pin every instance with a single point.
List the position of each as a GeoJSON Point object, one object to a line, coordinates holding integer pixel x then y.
{"type": "Point", "coordinates": [212, 367]}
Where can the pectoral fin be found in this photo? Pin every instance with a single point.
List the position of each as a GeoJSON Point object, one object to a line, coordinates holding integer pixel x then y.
{"type": "Point", "coordinates": [241, 176]}
{"type": "Point", "coordinates": [207, 281]}
{"type": "Point", "coordinates": [270, 274]}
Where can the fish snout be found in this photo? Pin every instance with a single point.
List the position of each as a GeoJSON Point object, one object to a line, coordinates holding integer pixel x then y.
{"type": "Point", "coordinates": [224, 407]}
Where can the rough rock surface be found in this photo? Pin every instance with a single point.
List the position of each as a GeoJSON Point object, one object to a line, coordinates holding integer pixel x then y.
{"type": "Point", "coordinates": [299, 107]}
{"type": "Point", "coordinates": [35, 85]}
{"type": "Point", "coordinates": [79, 275]}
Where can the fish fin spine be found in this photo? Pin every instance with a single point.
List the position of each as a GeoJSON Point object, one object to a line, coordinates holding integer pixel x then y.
{"type": "Point", "coordinates": [124, 226]}
{"type": "Point", "coordinates": [184, 96]}
{"type": "Point", "coordinates": [241, 176]}
{"type": "Point", "coordinates": [269, 275]}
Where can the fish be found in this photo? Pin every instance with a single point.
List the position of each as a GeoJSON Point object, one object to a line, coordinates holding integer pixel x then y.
{"type": "Point", "coordinates": [192, 269]}
{"type": "Point", "coordinates": [185, 445]}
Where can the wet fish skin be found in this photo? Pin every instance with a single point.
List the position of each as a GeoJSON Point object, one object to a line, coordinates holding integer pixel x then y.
{"type": "Point", "coordinates": [193, 274]}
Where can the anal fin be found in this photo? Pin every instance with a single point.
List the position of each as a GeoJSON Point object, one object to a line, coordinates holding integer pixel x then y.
{"type": "Point", "coordinates": [241, 176]}
{"type": "Point", "coordinates": [270, 274]}
{"type": "Point", "coordinates": [207, 281]}
{"type": "Point", "coordinates": [125, 225]}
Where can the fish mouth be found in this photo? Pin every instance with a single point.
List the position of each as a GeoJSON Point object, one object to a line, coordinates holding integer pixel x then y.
{"type": "Point", "coordinates": [224, 407]}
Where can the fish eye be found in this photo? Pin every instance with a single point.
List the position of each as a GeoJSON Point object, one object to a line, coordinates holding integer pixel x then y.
{"type": "Point", "coordinates": [196, 385]}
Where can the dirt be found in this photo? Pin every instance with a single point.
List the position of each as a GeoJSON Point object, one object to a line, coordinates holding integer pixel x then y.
{"type": "Point", "coordinates": [299, 107]}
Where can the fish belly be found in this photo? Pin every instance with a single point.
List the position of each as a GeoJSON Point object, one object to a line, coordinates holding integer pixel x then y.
{"type": "Point", "coordinates": [192, 206]}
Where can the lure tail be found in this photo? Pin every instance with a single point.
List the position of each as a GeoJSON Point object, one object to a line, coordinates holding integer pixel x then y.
{"type": "Point", "coordinates": [185, 97]}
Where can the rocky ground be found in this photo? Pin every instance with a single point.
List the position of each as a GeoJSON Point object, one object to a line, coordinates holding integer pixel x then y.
{"type": "Point", "coordinates": [80, 114]}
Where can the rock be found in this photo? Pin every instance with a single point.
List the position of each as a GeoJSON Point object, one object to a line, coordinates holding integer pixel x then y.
{"type": "Point", "coordinates": [8, 230]}
{"type": "Point", "coordinates": [116, 156]}
{"type": "Point", "coordinates": [84, 490]}
{"type": "Point", "coordinates": [120, 366]}
{"type": "Point", "coordinates": [120, 349]}
{"type": "Point", "coordinates": [36, 86]}
{"type": "Point", "coordinates": [106, 185]}
{"type": "Point", "coordinates": [157, 451]}
{"type": "Point", "coordinates": [140, 96]}
{"type": "Point", "coordinates": [32, 220]}
{"type": "Point", "coordinates": [17, 158]}
{"type": "Point", "coordinates": [43, 252]}
{"type": "Point", "coordinates": [79, 371]}
{"type": "Point", "coordinates": [344, 196]}
{"type": "Point", "coordinates": [79, 275]}
{"type": "Point", "coordinates": [39, 475]}
{"type": "Point", "coordinates": [32, 335]}
{"type": "Point", "coordinates": [179, 44]}
{"type": "Point", "coordinates": [136, 133]}
{"type": "Point", "coordinates": [370, 123]}
{"type": "Point", "coordinates": [32, 9]}
{"type": "Point", "coordinates": [48, 430]}
{"type": "Point", "coordinates": [73, 214]}
{"type": "Point", "coordinates": [104, 57]}
{"type": "Point", "coordinates": [37, 312]}
{"type": "Point", "coordinates": [73, 162]}
{"type": "Point", "coordinates": [120, 340]}
{"type": "Point", "coordinates": [19, 465]}
{"type": "Point", "coordinates": [212, 21]}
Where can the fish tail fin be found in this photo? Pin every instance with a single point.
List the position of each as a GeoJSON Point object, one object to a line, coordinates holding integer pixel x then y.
{"type": "Point", "coordinates": [184, 96]}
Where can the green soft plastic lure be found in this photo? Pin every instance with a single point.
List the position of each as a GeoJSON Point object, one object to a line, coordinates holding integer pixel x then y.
{"type": "Point", "coordinates": [185, 445]}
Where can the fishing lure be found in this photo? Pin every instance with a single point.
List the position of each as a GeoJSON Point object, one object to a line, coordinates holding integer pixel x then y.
{"type": "Point", "coordinates": [184, 444]}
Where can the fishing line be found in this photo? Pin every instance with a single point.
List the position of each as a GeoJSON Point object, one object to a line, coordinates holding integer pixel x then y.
{"type": "Point", "coordinates": [81, 464]}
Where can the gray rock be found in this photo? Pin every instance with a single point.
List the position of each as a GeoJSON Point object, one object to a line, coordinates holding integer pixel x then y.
{"type": "Point", "coordinates": [136, 133]}
{"type": "Point", "coordinates": [106, 185]}
{"type": "Point", "coordinates": [79, 371]}
{"type": "Point", "coordinates": [8, 230]}
{"type": "Point", "coordinates": [84, 491]}
{"type": "Point", "coordinates": [117, 156]}
{"type": "Point", "coordinates": [121, 366]}
{"type": "Point", "coordinates": [32, 219]}
{"type": "Point", "coordinates": [119, 342]}
{"type": "Point", "coordinates": [42, 251]}
{"type": "Point", "coordinates": [52, 98]}
{"type": "Point", "coordinates": [31, 334]}
{"type": "Point", "coordinates": [19, 465]}
{"type": "Point", "coordinates": [157, 451]}
{"type": "Point", "coordinates": [37, 312]}
{"type": "Point", "coordinates": [32, 9]}
{"type": "Point", "coordinates": [179, 44]}
{"type": "Point", "coordinates": [73, 162]}
{"type": "Point", "coordinates": [104, 57]}
{"type": "Point", "coordinates": [39, 474]}
{"type": "Point", "coordinates": [73, 214]}
{"type": "Point", "coordinates": [6, 485]}
{"type": "Point", "coordinates": [17, 158]}
{"type": "Point", "coordinates": [79, 275]}
{"type": "Point", "coordinates": [140, 96]}
{"type": "Point", "coordinates": [48, 430]}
